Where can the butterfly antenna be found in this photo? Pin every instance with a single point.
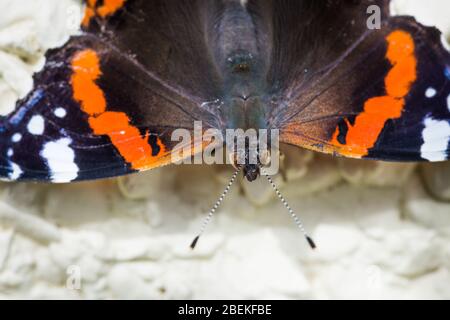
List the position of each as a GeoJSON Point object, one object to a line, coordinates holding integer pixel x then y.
{"type": "Point", "coordinates": [215, 207]}
{"type": "Point", "coordinates": [291, 212]}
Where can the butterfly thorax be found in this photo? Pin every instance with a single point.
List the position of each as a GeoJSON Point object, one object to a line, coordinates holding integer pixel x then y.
{"type": "Point", "coordinates": [242, 62]}
{"type": "Point", "coordinates": [244, 108]}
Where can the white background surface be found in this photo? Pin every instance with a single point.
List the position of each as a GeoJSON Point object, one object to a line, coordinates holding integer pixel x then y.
{"type": "Point", "coordinates": [380, 237]}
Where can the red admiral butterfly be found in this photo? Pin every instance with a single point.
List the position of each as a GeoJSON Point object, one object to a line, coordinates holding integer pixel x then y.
{"type": "Point", "coordinates": [107, 102]}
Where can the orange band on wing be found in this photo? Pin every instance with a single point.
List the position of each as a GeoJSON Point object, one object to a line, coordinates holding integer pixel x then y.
{"type": "Point", "coordinates": [368, 125]}
{"type": "Point", "coordinates": [89, 13]}
{"type": "Point", "coordinates": [132, 146]}
{"type": "Point", "coordinates": [86, 69]}
{"type": "Point", "coordinates": [108, 8]}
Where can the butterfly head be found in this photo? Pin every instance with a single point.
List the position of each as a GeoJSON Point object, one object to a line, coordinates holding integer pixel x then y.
{"type": "Point", "coordinates": [251, 163]}
{"type": "Point", "coordinates": [251, 171]}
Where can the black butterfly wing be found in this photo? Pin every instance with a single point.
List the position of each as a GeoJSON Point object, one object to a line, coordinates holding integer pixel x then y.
{"type": "Point", "coordinates": [380, 94]}
{"type": "Point", "coordinates": [107, 102]}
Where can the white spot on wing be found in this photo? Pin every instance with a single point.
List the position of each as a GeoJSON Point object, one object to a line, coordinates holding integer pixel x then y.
{"type": "Point", "coordinates": [16, 137]}
{"type": "Point", "coordinates": [10, 152]}
{"type": "Point", "coordinates": [36, 125]}
{"type": "Point", "coordinates": [60, 159]}
{"type": "Point", "coordinates": [430, 93]}
{"type": "Point", "coordinates": [448, 102]}
{"type": "Point", "coordinates": [436, 137]}
{"type": "Point", "coordinates": [60, 112]}
{"type": "Point", "coordinates": [444, 41]}
{"type": "Point", "coordinates": [16, 171]}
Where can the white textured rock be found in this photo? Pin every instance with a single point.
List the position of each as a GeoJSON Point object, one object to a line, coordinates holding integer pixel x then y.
{"type": "Point", "coordinates": [28, 224]}
{"type": "Point", "coordinates": [260, 192]}
{"type": "Point", "coordinates": [375, 173]}
{"type": "Point", "coordinates": [6, 237]}
{"type": "Point", "coordinates": [28, 28]}
{"type": "Point", "coordinates": [434, 14]}
{"type": "Point", "coordinates": [436, 177]}
{"type": "Point", "coordinates": [133, 241]}
{"type": "Point", "coordinates": [418, 205]}
{"type": "Point", "coordinates": [16, 76]}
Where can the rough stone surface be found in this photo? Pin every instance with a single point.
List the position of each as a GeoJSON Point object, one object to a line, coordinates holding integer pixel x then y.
{"type": "Point", "coordinates": [437, 179]}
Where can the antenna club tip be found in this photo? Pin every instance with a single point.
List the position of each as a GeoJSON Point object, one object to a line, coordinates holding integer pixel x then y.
{"type": "Point", "coordinates": [194, 243]}
{"type": "Point", "coordinates": [311, 242]}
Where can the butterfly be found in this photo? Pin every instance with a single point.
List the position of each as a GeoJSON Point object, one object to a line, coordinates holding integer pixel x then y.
{"type": "Point", "coordinates": [107, 102]}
